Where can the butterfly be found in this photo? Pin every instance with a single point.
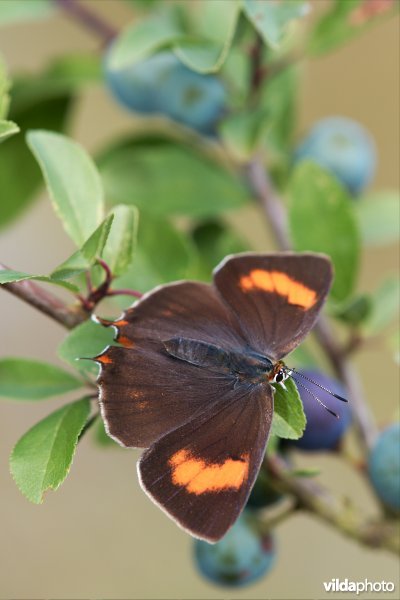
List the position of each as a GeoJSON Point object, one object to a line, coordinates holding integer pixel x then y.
{"type": "Point", "coordinates": [190, 380]}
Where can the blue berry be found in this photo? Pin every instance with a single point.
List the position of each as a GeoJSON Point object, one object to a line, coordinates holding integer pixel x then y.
{"type": "Point", "coordinates": [343, 147]}
{"type": "Point", "coordinates": [241, 557]}
{"type": "Point", "coordinates": [162, 84]}
{"type": "Point", "coordinates": [323, 431]}
{"type": "Point", "coordinates": [384, 466]}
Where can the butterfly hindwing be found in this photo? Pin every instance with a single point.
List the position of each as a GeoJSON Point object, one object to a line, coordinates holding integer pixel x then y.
{"type": "Point", "coordinates": [143, 395]}
{"type": "Point", "coordinates": [276, 297]}
{"type": "Point", "coordinates": [202, 473]}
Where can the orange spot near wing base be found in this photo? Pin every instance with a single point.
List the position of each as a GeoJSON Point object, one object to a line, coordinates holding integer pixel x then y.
{"type": "Point", "coordinates": [280, 283]}
{"type": "Point", "coordinates": [103, 359]}
{"type": "Point", "coordinates": [120, 323]}
{"type": "Point", "coordinates": [125, 341]}
{"type": "Point", "coordinates": [199, 477]}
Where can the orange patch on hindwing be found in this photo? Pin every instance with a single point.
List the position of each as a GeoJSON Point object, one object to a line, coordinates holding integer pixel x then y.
{"type": "Point", "coordinates": [198, 476]}
{"type": "Point", "coordinates": [274, 281]}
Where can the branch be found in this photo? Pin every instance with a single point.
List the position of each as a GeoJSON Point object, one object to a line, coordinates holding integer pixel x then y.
{"type": "Point", "coordinates": [338, 512]}
{"type": "Point", "coordinates": [46, 302]}
{"type": "Point", "coordinates": [276, 514]}
{"type": "Point", "coordinates": [276, 217]}
{"type": "Point", "coordinates": [270, 202]}
{"type": "Point", "coordinates": [88, 19]}
{"type": "Point", "coordinates": [363, 419]}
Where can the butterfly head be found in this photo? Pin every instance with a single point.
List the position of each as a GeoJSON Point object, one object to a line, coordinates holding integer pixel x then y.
{"type": "Point", "coordinates": [279, 373]}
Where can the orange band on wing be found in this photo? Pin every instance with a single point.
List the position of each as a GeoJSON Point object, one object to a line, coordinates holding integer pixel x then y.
{"type": "Point", "coordinates": [280, 283]}
{"type": "Point", "coordinates": [198, 476]}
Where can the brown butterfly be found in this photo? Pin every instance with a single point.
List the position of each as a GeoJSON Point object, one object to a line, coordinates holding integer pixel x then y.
{"type": "Point", "coordinates": [191, 380]}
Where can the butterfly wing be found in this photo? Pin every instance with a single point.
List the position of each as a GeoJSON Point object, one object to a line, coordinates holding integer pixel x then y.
{"type": "Point", "coordinates": [276, 297]}
{"type": "Point", "coordinates": [201, 473]}
{"type": "Point", "coordinates": [144, 392]}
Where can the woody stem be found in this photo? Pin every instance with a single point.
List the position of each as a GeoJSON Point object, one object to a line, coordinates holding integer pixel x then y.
{"type": "Point", "coordinates": [338, 512]}
{"type": "Point", "coordinates": [46, 302]}
{"type": "Point", "coordinates": [276, 217]}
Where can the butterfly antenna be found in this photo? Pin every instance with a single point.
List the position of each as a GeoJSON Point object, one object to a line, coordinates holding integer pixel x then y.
{"type": "Point", "coordinates": [318, 385]}
{"type": "Point", "coordinates": [315, 397]}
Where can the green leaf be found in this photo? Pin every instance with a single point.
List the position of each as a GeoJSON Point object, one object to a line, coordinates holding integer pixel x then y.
{"type": "Point", "coordinates": [72, 180]}
{"type": "Point", "coordinates": [242, 133]}
{"type": "Point", "coordinates": [85, 341]}
{"type": "Point", "coordinates": [168, 179]}
{"type": "Point", "coordinates": [142, 39]}
{"type": "Point", "coordinates": [271, 19]}
{"type": "Point", "coordinates": [64, 76]}
{"type": "Point", "coordinates": [7, 129]}
{"type": "Point", "coordinates": [42, 458]}
{"type": "Point", "coordinates": [202, 54]}
{"type": "Point", "coordinates": [5, 85]}
{"type": "Point", "coordinates": [10, 276]}
{"type": "Point", "coordinates": [321, 219]}
{"type": "Point", "coordinates": [385, 306]}
{"type": "Point", "coordinates": [17, 191]}
{"type": "Point", "coordinates": [310, 472]}
{"type": "Point", "coordinates": [215, 240]}
{"type": "Point", "coordinates": [378, 217]}
{"type": "Point", "coordinates": [163, 254]}
{"type": "Point", "coordinates": [278, 99]}
{"type": "Point", "coordinates": [344, 21]}
{"type": "Point", "coordinates": [16, 11]}
{"type": "Point", "coordinates": [86, 256]}
{"type": "Point", "coordinates": [334, 27]}
{"type": "Point", "coordinates": [289, 420]}
{"type": "Point", "coordinates": [209, 54]}
{"type": "Point", "coordinates": [355, 311]}
{"type": "Point", "coordinates": [25, 379]}
{"type": "Point", "coordinates": [121, 243]}
{"type": "Point", "coordinates": [40, 101]}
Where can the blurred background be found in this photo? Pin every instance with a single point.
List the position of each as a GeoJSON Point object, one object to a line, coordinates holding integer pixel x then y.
{"type": "Point", "coordinates": [99, 536]}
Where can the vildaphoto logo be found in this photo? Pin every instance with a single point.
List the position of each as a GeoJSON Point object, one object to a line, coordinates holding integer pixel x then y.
{"type": "Point", "coordinates": [345, 585]}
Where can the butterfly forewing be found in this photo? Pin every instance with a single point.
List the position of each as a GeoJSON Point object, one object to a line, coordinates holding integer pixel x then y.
{"type": "Point", "coordinates": [144, 391]}
{"type": "Point", "coordinates": [276, 298]}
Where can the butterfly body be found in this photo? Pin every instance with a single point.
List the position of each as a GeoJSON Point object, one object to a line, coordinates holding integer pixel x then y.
{"type": "Point", "coordinates": [206, 415]}
{"type": "Point", "coordinates": [241, 365]}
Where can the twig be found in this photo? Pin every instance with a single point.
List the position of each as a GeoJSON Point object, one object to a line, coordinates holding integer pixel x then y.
{"type": "Point", "coordinates": [276, 514]}
{"type": "Point", "coordinates": [276, 218]}
{"type": "Point", "coordinates": [257, 71]}
{"type": "Point", "coordinates": [90, 20]}
{"type": "Point", "coordinates": [46, 302]}
{"type": "Point", "coordinates": [125, 292]}
{"type": "Point", "coordinates": [363, 419]}
{"type": "Point", "coordinates": [337, 512]}
{"type": "Point", "coordinates": [270, 202]}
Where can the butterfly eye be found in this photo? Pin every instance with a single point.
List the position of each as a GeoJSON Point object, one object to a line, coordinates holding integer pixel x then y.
{"type": "Point", "coordinates": [279, 377]}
